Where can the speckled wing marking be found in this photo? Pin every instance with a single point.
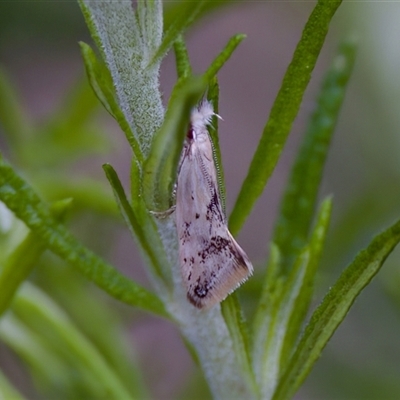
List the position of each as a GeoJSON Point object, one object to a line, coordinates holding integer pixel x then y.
{"type": "Point", "coordinates": [212, 263]}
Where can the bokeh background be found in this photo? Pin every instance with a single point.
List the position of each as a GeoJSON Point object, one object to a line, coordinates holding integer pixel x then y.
{"type": "Point", "coordinates": [40, 54]}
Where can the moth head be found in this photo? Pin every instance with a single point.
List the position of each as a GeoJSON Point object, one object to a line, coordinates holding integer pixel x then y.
{"type": "Point", "coordinates": [201, 115]}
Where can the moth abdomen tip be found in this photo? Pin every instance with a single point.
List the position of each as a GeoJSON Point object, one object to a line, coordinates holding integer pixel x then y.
{"type": "Point", "coordinates": [194, 300]}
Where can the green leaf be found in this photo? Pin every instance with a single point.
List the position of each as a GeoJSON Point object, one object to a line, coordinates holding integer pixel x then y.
{"type": "Point", "coordinates": [301, 304]}
{"type": "Point", "coordinates": [292, 230]}
{"type": "Point", "coordinates": [37, 310]}
{"type": "Point", "coordinates": [19, 264]}
{"type": "Point", "coordinates": [298, 205]}
{"type": "Point", "coordinates": [12, 118]}
{"type": "Point", "coordinates": [237, 327]}
{"type": "Point", "coordinates": [101, 83]}
{"type": "Point", "coordinates": [96, 318]}
{"type": "Point", "coordinates": [269, 288]}
{"type": "Point", "coordinates": [183, 67]}
{"type": "Point", "coordinates": [141, 226]}
{"type": "Point", "coordinates": [284, 306]}
{"type": "Point", "coordinates": [7, 390]}
{"type": "Point", "coordinates": [23, 201]}
{"type": "Point", "coordinates": [77, 109]}
{"type": "Point", "coordinates": [99, 78]}
{"type": "Point", "coordinates": [117, 33]}
{"type": "Point", "coordinates": [181, 21]}
{"type": "Point", "coordinates": [150, 21]}
{"type": "Point", "coordinates": [285, 297]}
{"type": "Point", "coordinates": [159, 173]}
{"type": "Point", "coordinates": [213, 97]}
{"type": "Point", "coordinates": [266, 310]}
{"type": "Point", "coordinates": [68, 134]}
{"type": "Point", "coordinates": [284, 111]}
{"type": "Point", "coordinates": [17, 268]}
{"type": "Point", "coordinates": [172, 9]}
{"type": "Point", "coordinates": [223, 56]}
{"type": "Point", "coordinates": [46, 367]}
{"type": "Point", "coordinates": [87, 193]}
{"type": "Point", "coordinates": [333, 309]}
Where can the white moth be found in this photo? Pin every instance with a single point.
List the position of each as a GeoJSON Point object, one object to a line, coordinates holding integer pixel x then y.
{"type": "Point", "coordinates": [212, 263]}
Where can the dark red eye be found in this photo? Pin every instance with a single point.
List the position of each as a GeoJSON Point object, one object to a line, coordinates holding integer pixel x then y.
{"type": "Point", "coordinates": [190, 133]}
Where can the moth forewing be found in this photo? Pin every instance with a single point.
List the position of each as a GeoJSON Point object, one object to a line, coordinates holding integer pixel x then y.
{"type": "Point", "coordinates": [212, 263]}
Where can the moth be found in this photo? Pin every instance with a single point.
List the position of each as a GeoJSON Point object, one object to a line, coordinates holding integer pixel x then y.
{"type": "Point", "coordinates": [212, 263]}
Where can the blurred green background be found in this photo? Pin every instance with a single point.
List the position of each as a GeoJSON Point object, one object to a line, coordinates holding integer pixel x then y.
{"type": "Point", "coordinates": [40, 55]}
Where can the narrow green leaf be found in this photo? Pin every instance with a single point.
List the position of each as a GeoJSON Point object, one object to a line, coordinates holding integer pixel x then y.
{"type": "Point", "coordinates": [213, 97]}
{"type": "Point", "coordinates": [150, 20]}
{"type": "Point", "coordinates": [298, 205]}
{"type": "Point", "coordinates": [101, 83]}
{"type": "Point", "coordinates": [136, 186]}
{"type": "Point", "coordinates": [141, 226]}
{"type": "Point", "coordinates": [115, 30]}
{"type": "Point", "coordinates": [17, 268]}
{"type": "Point", "coordinates": [24, 202]}
{"type": "Point", "coordinates": [271, 282]}
{"type": "Point", "coordinates": [223, 56]}
{"type": "Point", "coordinates": [7, 390]}
{"type": "Point", "coordinates": [46, 367]}
{"type": "Point", "coordinates": [183, 67]}
{"type": "Point", "coordinates": [97, 320]}
{"type": "Point", "coordinates": [237, 327]}
{"type": "Point", "coordinates": [333, 309]}
{"type": "Point", "coordinates": [37, 309]}
{"type": "Point", "coordinates": [23, 259]}
{"type": "Point", "coordinates": [12, 118]}
{"type": "Point", "coordinates": [151, 236]}
{"type": "Point", "coordinates": [266, 309]}
{"type": "Point", "coordinates": [283, 111]}
{"type": "Point", "coordinates": [159, 172]}
{"type": "Point", "coordinates": [172, 9]}
{"type": "Point", "coordinates": [284, 300]}
{"type": "Point", "coordinates": [76, 110]}
{"type": "Point", "coordinates": [99, 79]}
{"type": "Point", "coordinates": [86, 192]}
{"type": "Point", "coordinates": [301, 304]}
{"type": "Point", "coordinates": [68, 134]}
{"type": "Point", "coordinates": [181, 21]}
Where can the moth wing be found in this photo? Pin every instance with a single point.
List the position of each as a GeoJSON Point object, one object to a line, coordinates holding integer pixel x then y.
{"type": "Point", "coordinates": [215, 271]}
{"type": "Point", "coordinates": [212, 263]}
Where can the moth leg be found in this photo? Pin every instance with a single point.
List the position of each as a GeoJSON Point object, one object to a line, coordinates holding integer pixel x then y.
{"type": "Point", "coordinates": [173, 194]}
{"type": "Point", "coordinates": [163, 214]}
